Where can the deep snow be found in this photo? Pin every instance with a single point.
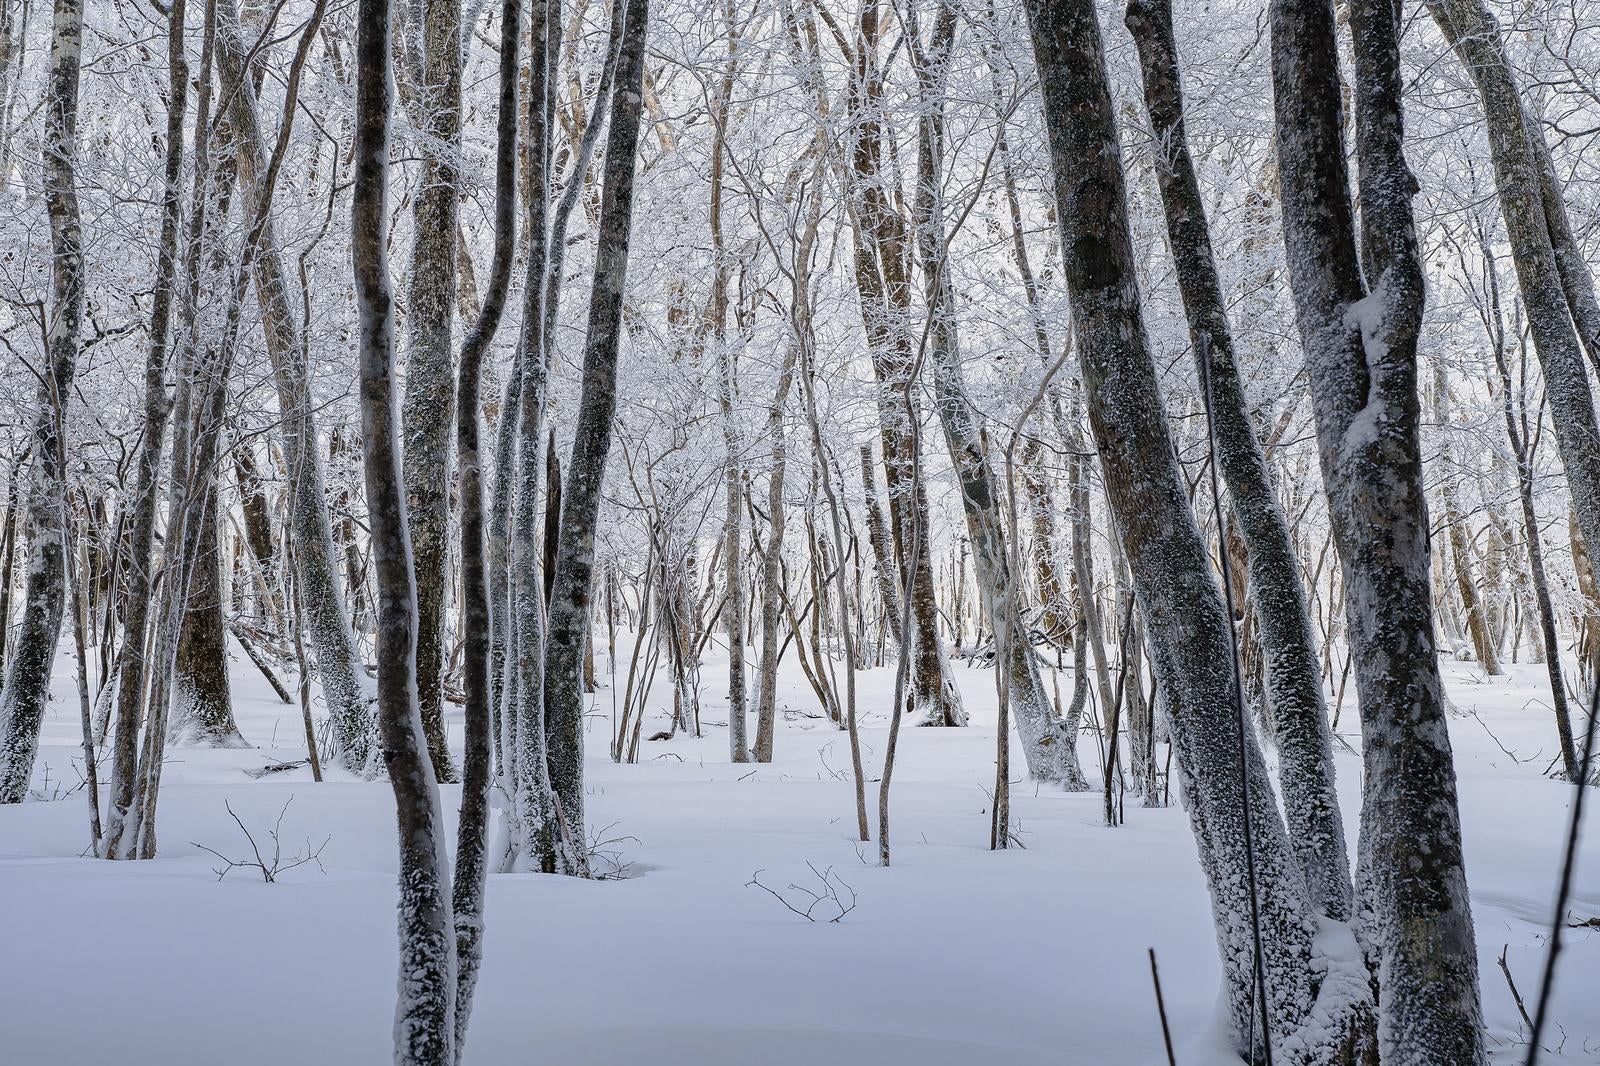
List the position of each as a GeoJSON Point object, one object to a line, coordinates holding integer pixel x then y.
{"type": "Point", "coordinates": [954, 955]}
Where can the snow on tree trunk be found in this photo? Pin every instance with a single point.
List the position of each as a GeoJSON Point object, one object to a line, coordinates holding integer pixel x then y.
{"type": "Point", "coordinates": [477, 763]}
{"type": "Point", "coordinates": [772, 591]}
{"type": "Point", "coordinates": [1293, 675]}
{"type": "Point", "coordinates": [571, 586]}
{"type": "Point", "coordinates": [434, 105]}
{"type": "Point", "coordinates": [1359, 321]}
{"type": "Point", "coordinates": [1310, 997]}
{"type": "Point", "coordinates": [1051, 751]}
{"type": "Point", "coordinates": [27, 678]}
{"type": "Point", "coordinates": [332, 642]}
{"type": "Point", "coordinates": [883, 285]}
{"type": "Point", "coordinates": [131, 661]}
{"type": "Point", "coordinates": [425, 1012]}
{"type": "Point", "coordinates": [1518, 170]}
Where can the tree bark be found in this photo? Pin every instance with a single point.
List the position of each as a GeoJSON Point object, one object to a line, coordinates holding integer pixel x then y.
{"type": "Point", "coordinates": [203, 714]}
{"type": "Point", "coordinates": [1217, 761]}
{"type": "Point", "coordinates": [27, 678]}
{"type": "Point", "coordinates": [429, 403]}
{"type": "Point", "coordinates": [425, 1020]}
{"type": "Point", "coordinates": [883, 284]}
{"type": "Point", "coordinates": [1050, 750]}
{"type": "Point", "coordinates": [332, 641]}
{"type": "Point", "coordinates": [1521, 181]}
{"type": "Point", "coordinates": [572, 587]}
{"type": "Point", "coordinates": [477, 763]}
{"type": "Point", "coordinates": [1294, 678]}
{"type": "Point", "coordinates": [1360, 338]}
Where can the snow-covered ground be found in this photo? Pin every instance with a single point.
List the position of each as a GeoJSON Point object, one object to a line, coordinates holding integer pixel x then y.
{"type": "Point", "coordinates": [955, 955]}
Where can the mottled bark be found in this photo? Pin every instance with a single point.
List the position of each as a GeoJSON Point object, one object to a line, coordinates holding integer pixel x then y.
{"type": "Point", "coordinates": [733, 618]}
{"type": "Point", "coordinates": [1518, 173]}
{"type": "Point", "coordinates": [27, 678]}
{"type": "Point", "coordinates": [883, 565]}
{"type": "Point", "coordinates": [1360, 313]}
{"type": "Point", "coordinates": [1249, 865]}
{"type": "Point", "coordinates": [202, 711]}
{"type": "Point", "coordinates": [772, 591]}
{"type": "Point", "coordinates": [477, 762]}
{"type": "Point", "coordinates": [1051, 751]}
{"type": "Point", "coordinates": [580, 513]}
{"type": "Point", "coordinates": [434, 106]}
{"type": "Point", "coordinates": [139, 572]}
{"type": "Point", "coordinates": [322, 592]}
{"type": "Point", "coordinates": [1293, 676]}
{"type": "Point", "coordinates": [883, 284]}
{"type": "Point", "coordinates": [424, 1028]}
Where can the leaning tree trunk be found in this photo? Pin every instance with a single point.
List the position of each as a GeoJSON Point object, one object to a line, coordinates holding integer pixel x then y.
{"type": "Point", "coordinates": [1247, 860]}
{"type": "Point", "coordinates": [27, 678]}
{"type": "Point", "coordinates": [429, 403]}
{"type": "Point", "coordinates": [1294, 677]}
{"type": "Point", "coordinates": [571, 587]}
{"type": "Point", "coordinates": [424, 1032]}
{"type": "Point", "coordinates": [1517, 171]}
{"type": "Point", "coordinates": [1360, 313]}
{"type": "Point", "coordinates": [316, 561]}
{"type": "Point", "coordinates": [1051, 751]}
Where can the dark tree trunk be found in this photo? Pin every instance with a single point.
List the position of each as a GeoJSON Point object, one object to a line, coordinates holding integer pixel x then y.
{"type": "Point", "coordinates": [425, 1013]}
{"type": "Point", "coordinates": [27, 679]}
{"type": "Point", "coordinates": [1359, 322]}
{"type": "Point", "coordinates": [580, 512]}
{"type": "Point", "coordinates": [477, 763]}
{"type": "Point", "coordinates": [1294, 677]}
{"type": "Point", "coordinates": [883, 283]}
{"type": "Point", "coordinates": [1247, 859]}
{"type": "Point", "coordinates": [203, 701]}
{"type": "Point", "coordinates": [429, 403]}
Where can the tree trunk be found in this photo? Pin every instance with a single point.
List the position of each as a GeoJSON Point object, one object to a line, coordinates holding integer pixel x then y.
{"type": "Point", "coordinates": [429, 404]}
{"type": "Point", "coordinates": [883, 284]}
{"type": "Point", "coordinates": [1250, 869]}
{"type": "Point", "coordinates": [1051, 751]}
{"type": "Point", "coordinates": [1294, 678]}
{"type": "Point", "coordinates": [27, 679]}
{"type": "Point", "coordinates": [1518, 172]}
{"type": "Point", "coordinates": [571, 590]}
{"type": "Point", "coordinates": [203, 711]}
{"type": "Point", "coordinates": [772, 591]}
{"type": "Point", "coordinates": [477, 763]}
{"type": "Point", "coordinates": [318, 570]}
{"type": "Point", "coordinates": [733, 474]}
{"type": "Point", "coordinates": [425, 1021]}
{"type": "Point", "coordinates": [1361, 355]}
{"type": "Point", "coordinates": [132, 665]}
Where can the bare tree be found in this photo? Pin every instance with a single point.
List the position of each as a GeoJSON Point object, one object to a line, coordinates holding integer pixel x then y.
{"type": "Point", "coordinates": [425, 1016]}
{"type": "Point", "coordinates": [27, 677]}
{"type": "Point", "coordinates": [1294, 677]}
{"type": "Point", "coordinates": [1360, 314]}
